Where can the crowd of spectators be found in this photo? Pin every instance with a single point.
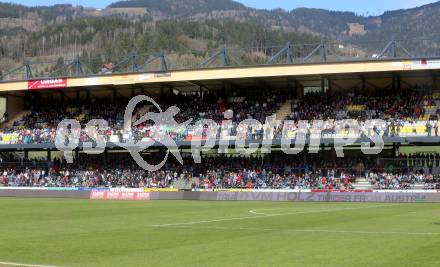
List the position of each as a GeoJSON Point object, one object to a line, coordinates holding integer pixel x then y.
{"type": "Point", "coordinates": [40, 125]}
{"type": "Point", "coordinates": [384, 180]}
{"type": "Point", "coordinates": [246, 178]}
{"type": "Point", "coordinates": [302, 172]}
{"type": "Point", "coordinates": [397, 109]}
{"type": "Point", "coordinates": [380, 105]}
{"type": "Point", "coordinates": [263, 178]}
{"type": "Point", "coordinates": [270, 172]}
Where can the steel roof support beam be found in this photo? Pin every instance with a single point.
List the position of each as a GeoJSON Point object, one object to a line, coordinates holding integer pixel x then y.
{"type": "Point", "coordinates": [287, 49]}
{"type": "Point", "coordinates": [28, 71]}
{"type": "Point", "coordinates": [162, 61]}
{"type": "Point", "coordinates": [128, 59]}
{"type": "Point", "coordinates": [26, 68]}
{"type": "Point", "coordinates": [77, 68]}
{"type": "Point", "coordinates": [321, 48]}
{"type": "Point", "coordinates": [222, 54]}
{"type": "Point", "coordinates": [392, 47]}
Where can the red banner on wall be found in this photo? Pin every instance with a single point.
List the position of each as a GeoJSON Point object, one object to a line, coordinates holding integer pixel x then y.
{"type": "Point", "coordinates": [47, 84]}
{"type": "Point", "coordinates": [107, 195]}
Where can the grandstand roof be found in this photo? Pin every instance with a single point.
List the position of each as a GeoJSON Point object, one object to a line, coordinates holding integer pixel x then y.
{"type": "Point", "coordinates": [343, 74]}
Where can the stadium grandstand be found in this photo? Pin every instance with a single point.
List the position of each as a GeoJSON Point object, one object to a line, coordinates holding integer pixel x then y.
{"type": "Point", "coordinates": [405, 93]}
{"type": "Point", "coordinates": [206, 133]}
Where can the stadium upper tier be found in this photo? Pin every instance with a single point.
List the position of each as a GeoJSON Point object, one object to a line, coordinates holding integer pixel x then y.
{"type": "Point", "coordinates": [406, 113]}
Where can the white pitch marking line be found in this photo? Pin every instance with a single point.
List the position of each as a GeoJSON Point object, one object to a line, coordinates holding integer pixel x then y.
{"type": "Point", "coordinates": [258, 211]}
{"type": "Point", "coordinates": [24, 264]}
{"type": "Point", "coordinates": [268, 215]}
{"type": "Point", "coordinates": [312, 231]}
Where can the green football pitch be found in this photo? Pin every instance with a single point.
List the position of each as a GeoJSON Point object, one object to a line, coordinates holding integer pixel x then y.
{"type": "Point", "coordinates": [65, 232]}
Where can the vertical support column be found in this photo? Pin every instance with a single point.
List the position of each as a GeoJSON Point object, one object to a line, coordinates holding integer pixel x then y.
{"type": "Point", "coordinates": [63, 97]}
{"type": "Point", "coordinates": [289, 54]}
{"type": "Point", "coordinates": [163, 62]}
{"type": "Point", "coordinates": [28, 71]}
{"type": "Point", "coordinates": [230, 89]}
{"type": "Point", "coordinates": [394, 49]}
{"type": "Point", "coordinates": [26, 155]}
{"type": "Point", "coordinates": [77, 95]}
{"type": "Point", "coordinates": [114, 96]}
{"type": "Point", "coordinates": [133, 62]}
{"type": "Point", "coordinates": [396, 149]}
{"type": "Point", "coordinates": [299, 90]}
{"type": "Point", "coordinates": [224, 58]}
{"type": "Point", "coordinates": [394, 84]}
{"type": "Point", "coordinates": [77, 157]}
{"type": "Point", "coordinates": [364, 85]}
{"type": "Point", "coordinates": [88, 96]}
{"type": "Point", "coordinates": [78, 66]}
{"type": "Point", "coordinates": [330, 86]}
{"type": "Point", "coordinates": [49, 155]}
{"type": "Point", "coordinates": [105, 156]}
{"type": "Point", "coordinates": [290, 89]}
{"type": "Point", "coordinates": [322, 51]}
{"type": "Point", "coordinates": [295, 89]}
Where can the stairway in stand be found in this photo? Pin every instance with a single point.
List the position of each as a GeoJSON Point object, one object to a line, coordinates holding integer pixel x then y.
{"type": "Point", "coordinates": [362, 184]}
{"type": "Point", "coordinates": [284, 111]}
{"type": "Point", "coordinates": [185, 184]}
{"type": "Point", "coordinates": [15, 118]}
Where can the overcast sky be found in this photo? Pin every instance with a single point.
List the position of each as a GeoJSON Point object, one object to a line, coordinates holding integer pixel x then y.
{"type": "Point", "coordinates": [372, 7]}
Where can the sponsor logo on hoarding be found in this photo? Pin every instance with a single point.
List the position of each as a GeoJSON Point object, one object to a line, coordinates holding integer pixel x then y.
{"type": "Point", "coordinates": [131, 190]}
{"type": "Point", "coordinates": [161, 190]}
{"type": "Point", "coordinates": [92, 81]}
{"type": "Point", "coordinates": [162, 75]}
{"type": "Point", "coordinates": [124, 79]}
{"type": "Point", "coordinates": [232, 190]}
{"type": "Point", "coordinates": [47, 84]}
{"type": "Point", "coordinates": [63, 189]}
{"type": "Point", "coordinates": [340, 191]}
{"type": "Point", "coordinates": [93, 189]}
{"type": "Point", "coordinates": [404, 198]}
{"type": "Point", "coordinates": [144, 77]}
{"type": "Point", "coordinates": [107, 195]}
{"type": "Point", "coordinates": [417, 64]}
